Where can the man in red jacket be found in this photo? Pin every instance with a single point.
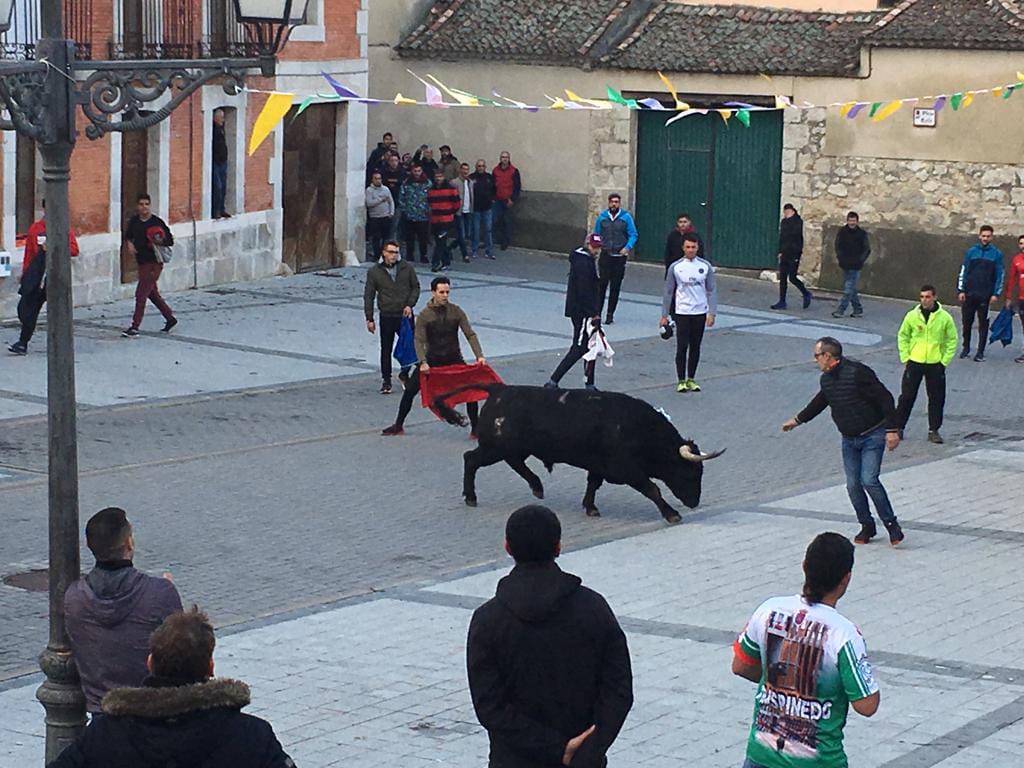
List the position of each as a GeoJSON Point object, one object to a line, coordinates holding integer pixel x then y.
{"type": "Point", "coordinates": [1016, 282]}
{"type": "Point", "coordinates": [507, 186]}
{"type": "Point", "coordinates": [33, 281]}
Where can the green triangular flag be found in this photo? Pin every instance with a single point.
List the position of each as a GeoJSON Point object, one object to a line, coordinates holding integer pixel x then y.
{"type": "Point", "coordinates": [743, 116]}
{"type": "Point", "coordinates": [1008, 91]}
{"type": "Point", "coordinates": [955, 100]}
{"type": "Point", "coordinates": [302, 107]}
{"type": "Point", "coordinates": [874, 108]}
{"type": "Point", "coordinates": [618, 98]}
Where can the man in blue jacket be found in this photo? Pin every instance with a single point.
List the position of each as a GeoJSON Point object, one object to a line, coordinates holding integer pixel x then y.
{"type": "Point", "coordinates": [979, 284]}
{"type": "Point", "coordinates": [582, 303]}
{"type": "Point", "coordinates": [618, 234]}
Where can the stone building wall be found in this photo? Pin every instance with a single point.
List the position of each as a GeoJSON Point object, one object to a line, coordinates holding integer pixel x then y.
{"type": "Point", "coordinates": [921, 214]}
{"type": "Point", "coordinates": [613, 135]}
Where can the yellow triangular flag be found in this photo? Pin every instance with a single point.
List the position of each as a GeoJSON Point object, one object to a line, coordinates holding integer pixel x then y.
{"type": "Point", "coordinates": [596, 103]}
{"type": "Point", "coordinates": [1020, 76]}
{"type": "Point", "coordinates": [672, 90]}
{"type": "Point", "coordinates": [468, 101]}
{"type": "Point", "coordinates": [725, 114]}
{"type": "Point", "coordinates": [556, 103]}
{"type": "Point", "coordinates": [889, 109]}
{"type": "Point", "coordinates": [844, 110]}
{"type": "Point", "coordinates": [273, 112]}
{"type": "Point", "coordinates": [968, 98]}
{"type": "Point", "coordinates": [400, 99]}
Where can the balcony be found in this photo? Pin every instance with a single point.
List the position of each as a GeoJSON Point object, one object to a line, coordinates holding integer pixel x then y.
{"type": "Point", "coordinates": [135, 29]}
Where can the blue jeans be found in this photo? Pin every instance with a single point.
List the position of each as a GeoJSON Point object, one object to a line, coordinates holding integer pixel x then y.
{"type": "Point", "coordinates": [482, 220]}
{"type": "Point", "coordinates": [850, 277]}
{"type": "Point", "coordinates": [862, 461]}
{"type": "Point", "coordinates": [220, 188]}
{"type": "Point", "coordinates": [501, 227]}
{"type": "Point", "coordinates": [464, 232]}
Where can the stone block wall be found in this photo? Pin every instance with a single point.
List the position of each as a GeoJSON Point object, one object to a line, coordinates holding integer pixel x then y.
{"type": "Point", "coordinates": [922, 215]}
{"type": "Point", "coordinates": [245, 247]}
{"type": "Point", "coordinates": [612, 160]}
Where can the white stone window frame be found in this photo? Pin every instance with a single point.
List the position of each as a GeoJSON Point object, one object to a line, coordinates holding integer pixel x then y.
{"type": "Point", "coordinates": [158, 169]}
{"type": "Point", "coordinates": [10, 186]}
{"type": "Point", "coordinates": [213, 98]}
{"type": "Point", "coordinates": [314, 31]}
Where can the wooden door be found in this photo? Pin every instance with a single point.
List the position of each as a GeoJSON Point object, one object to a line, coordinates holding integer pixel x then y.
{"type": "Point", "coordinates": [308, 188]}
{"type": "Point", "coordinates": [134, 165]}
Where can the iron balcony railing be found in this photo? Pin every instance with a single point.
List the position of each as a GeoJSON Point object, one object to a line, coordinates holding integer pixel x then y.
{"type": "Point", "coordinates": [19, 42]}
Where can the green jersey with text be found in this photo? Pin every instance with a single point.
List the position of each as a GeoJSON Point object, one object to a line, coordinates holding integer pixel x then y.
{"type": "Point", "coordinates": [813, 664]}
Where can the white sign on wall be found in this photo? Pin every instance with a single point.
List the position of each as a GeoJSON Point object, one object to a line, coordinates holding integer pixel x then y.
{"type": "Point", "coordinates": [924, 117]}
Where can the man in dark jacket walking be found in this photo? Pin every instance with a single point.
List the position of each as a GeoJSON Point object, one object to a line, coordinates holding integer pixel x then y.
{"type": "Point", "coordinates": [979, 284]}
{"type": "Point", "coordinates": [791, 248]}
{"type": "Point", "coordinates": [865, 414]}
{"type": "Point", "coordinates": [548, 664]}
{"type": "Point", "coordinates": [852, 250]}
{"type": "Point", "coordinates": [143, 235]}
{"type": "Point", "coordinates": [112, 610]}
{"type": "Point", "coordinates": [181, 715]}
{"type": "Point", "coordinates": [582, 303]}
{"type": "Point", "coordinates": [619, 235]}
{"type": "Point", "coordinates": [394, 284]}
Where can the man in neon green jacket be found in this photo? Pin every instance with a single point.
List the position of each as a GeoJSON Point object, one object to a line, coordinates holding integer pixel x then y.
{"type": "Point", "coordinates": [927, 343]}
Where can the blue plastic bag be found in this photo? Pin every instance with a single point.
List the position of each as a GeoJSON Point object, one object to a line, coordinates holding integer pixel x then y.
{"type": "Point", "coordinates": [1002, 328]}
{"type": "Point", "coordinates": [405, 344]}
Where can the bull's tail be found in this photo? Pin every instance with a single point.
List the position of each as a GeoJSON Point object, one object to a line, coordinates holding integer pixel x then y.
{"type": "Point", "coordinates": [452, 416]}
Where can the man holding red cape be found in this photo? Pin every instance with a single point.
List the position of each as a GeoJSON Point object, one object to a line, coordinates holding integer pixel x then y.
{"type": "Point", "coordinates": [441, 366]}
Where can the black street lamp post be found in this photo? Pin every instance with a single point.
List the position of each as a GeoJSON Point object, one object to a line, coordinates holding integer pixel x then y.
{"type": "Point", "coordinates": [39, 98]}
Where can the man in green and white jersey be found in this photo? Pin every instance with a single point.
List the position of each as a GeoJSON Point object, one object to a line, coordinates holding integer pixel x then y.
{"type": "Point", "coordinates": [810, 664]}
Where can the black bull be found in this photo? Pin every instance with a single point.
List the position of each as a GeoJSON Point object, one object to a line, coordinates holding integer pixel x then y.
{"type": "Point", "coordinates": [616, 438]}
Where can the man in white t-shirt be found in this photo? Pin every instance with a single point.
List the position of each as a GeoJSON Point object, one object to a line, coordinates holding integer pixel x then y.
{"type": "Point", "coordinates": [464, 218]}
{"type": "Point", "coordinates": [810, 664]}
{"type": "Point", "coordinates": [691, 299]}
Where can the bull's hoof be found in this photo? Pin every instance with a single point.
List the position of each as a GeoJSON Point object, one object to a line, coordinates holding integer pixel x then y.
{"type": "Point", "coordinates": [672, 518]}
{"type": "Point", "coordinates": [471, 501]}
{"type": "Point", "coordinates": [538, 492]}
{"type": "Point", "coordinates": [592, 512]}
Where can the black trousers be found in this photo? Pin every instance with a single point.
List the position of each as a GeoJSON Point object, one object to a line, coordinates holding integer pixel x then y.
{"type": "Point", "coordinates": [934, 375]}
{"type": "Point", "coordinates": [417, 232]}
{"type": "Point", "coordinates": [412, 388]}
{"type": "Point", "coordinates": [689, 335]}
{"type": "Point", "coordinates": [29, 307]}
{"type": "Point", "coordinates": [377, 231]}
{"type": "Point", "coordinates": [788, 274]}
{"type": "Point", "coordinates": [976, 307]}
{"type": "Point", "coordinates": [580, 341]}
{"type": "Point", "coordinates": [610, 271]}
{"type": "Point", "coordinates": [388, 327]}
{"type": "Point", "coordinates": [442, 244]}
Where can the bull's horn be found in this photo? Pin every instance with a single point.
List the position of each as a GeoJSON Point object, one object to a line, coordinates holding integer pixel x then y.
{"type": "Point", "coordinates": [687, 453]}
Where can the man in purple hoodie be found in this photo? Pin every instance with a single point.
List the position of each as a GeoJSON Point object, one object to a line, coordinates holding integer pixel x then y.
{"type": "Point", "coordinates": [112, 611]}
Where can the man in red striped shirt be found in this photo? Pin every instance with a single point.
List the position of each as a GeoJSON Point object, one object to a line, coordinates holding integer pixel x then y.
{"type": "Point", "coordinates": [443, 199]}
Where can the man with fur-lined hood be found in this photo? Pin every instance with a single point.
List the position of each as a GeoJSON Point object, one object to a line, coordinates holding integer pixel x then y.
{"type": "Point", "coordinates": [181, 715]}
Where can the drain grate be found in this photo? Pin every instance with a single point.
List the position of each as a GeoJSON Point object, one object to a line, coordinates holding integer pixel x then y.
{"type": "Point", "coordinates": [37, 580]}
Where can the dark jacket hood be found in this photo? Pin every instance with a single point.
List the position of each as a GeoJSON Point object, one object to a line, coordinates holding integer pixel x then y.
{"type": "Point", "coordinates": [534, 591]}
{"type": "Point", "coordinates": [110, 596]}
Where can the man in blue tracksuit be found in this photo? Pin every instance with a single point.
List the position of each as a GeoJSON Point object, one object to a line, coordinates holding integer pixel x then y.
{"type": "Point", "coordinates": [618, 234]}
{"type": "Point", "coordinates": [979, 284]}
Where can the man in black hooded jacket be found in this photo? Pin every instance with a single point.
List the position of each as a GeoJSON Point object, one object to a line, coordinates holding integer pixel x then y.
{"type": "Point", "coordinates": [548, 664]}
{"type": "Point", "coordinates": [181, 716]}
{"type": "Point", "coordinates": [791, 248]}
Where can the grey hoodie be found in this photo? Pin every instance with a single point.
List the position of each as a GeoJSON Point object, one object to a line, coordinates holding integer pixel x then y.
{"type": "Point", "coordinates": [110, 615]}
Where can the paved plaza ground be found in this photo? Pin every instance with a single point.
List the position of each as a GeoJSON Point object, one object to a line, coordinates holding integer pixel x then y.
{"type": "Point", "coordinates": [342, 567]}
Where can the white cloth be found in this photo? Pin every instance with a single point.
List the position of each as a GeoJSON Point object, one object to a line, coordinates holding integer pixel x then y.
{"type": "Point", "coordinates": [597, 345]}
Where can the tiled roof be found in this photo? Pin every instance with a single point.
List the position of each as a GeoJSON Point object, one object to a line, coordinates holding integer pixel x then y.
{"type": "Point", "coordinates": [528, 31]}
{"type": "Point", "coordinates": [743, 39]}
{"type": "Point", "coordinates": [943, 24]}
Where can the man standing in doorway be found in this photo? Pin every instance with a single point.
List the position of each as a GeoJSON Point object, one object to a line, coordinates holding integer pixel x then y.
{"type": "Point", "coordinates": [146, 231]}
{"type": "Point", "coordinates": [691, 299]}
{"type": "Point", "coordinates": [674, 241]}
{"type": "Point", "coordinates": [437, 344]}
{"type": "Point", "coordinates": [852, 250]}
{"type": "Point", "coordinates": [464, 218]}
{"type": "Point", "coordinates": [582, 303]}
{"type": "Point", "coordinates": [791, 248]}
{"type": "Point", "coordinates": [1016, 283]}
{"type": "Point", "coordinates": [33, 281]}
{"type": "Point", "coordinates": [548, 663]}
{"type": "Point", "coordinates": [415, 210]}
{"type": "Point", "coordinates": [483, 205]}
{"type": "Point", "coordinates": [444, 204]}
{"type": "Point", "coordinates": [865, 414]}
{"type": "Point", "coordinates": [220, 166]}
{"type": "Point", "coordinates": [618, 235]}
{"type": "Point", "coordinates": [979, 284]}
{"type": "Point", "coordinates": [380, 210]}
{"type": "Point", "coordinates": [927, 344]}
{"type": "Point", "coordinates": [394, 284]}
{"type": "Point", "coordinates": [507, 186]}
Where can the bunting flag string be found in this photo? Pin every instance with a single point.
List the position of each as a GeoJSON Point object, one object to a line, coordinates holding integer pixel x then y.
{"type": "Point", "coordinates": [279, 104]}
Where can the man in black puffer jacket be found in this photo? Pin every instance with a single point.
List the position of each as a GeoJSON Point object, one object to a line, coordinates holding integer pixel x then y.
{"type": "Point", "coordinates": [865, 414]}
{"type": "Point", "coordinates": [791, 248]}
{"type": "Point", "coordinates": [852, 251]}
{"type": "Point", "coordinates": [182, 716]}
{"type": "Point", "coordinates": [548, 664]}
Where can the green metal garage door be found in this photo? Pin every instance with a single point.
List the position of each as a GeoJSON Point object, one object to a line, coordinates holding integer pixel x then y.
{"type": "Point", "coordinates": [726, 177]}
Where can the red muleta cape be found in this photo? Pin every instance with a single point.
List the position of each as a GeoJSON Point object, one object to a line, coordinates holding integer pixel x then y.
{"type": "Point", "coordinates": [445, 378]}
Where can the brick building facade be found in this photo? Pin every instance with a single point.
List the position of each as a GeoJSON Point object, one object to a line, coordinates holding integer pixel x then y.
{"type": "Point", "coordinates": [275, 212]}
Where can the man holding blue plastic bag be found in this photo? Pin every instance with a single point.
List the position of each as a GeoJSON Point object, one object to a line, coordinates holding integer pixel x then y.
{"type": "Point", "coordinates": [394, 284]}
